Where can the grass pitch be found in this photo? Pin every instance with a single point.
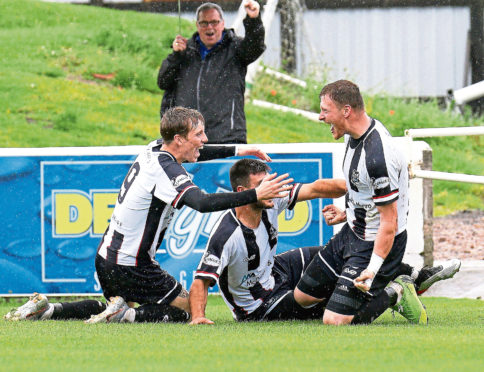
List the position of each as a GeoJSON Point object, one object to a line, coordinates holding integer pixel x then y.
{"type": "Point", "coordinates": [454, 340]}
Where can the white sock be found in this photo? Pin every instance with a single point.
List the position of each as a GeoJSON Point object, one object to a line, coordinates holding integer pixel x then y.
{"type": "Point", "coordinates": [47, 313]}
{"type": "Point", "coordinates": [399, 289]}
{"type": "Point", "coordinates": [129, 316]}
{"type": "Point", "coordinates": [414, 274]}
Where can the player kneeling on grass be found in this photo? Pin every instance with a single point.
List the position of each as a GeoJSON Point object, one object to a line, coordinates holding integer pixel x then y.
{"type": "Point", "coordinates": [353, 273]}
{"type": "Point", "coordinates": [155, 185]}
{"type": "Point", "coordinates": [240, 256]}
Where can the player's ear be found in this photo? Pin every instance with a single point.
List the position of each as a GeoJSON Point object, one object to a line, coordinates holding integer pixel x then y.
{"type": "Point", "coordinates": [240, 188]}
{"type": "Point", "coordinates": [178, 139]}
{"type": "Point", "coordinates": [346, 110]}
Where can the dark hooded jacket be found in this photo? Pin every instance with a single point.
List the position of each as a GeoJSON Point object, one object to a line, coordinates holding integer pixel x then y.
{"type": "Point", "coordinates": [214, 86]}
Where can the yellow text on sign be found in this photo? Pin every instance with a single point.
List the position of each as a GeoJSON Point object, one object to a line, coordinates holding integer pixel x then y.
{"type": "Point", "coordinates": [295, 220]}
{"type": "Point", "coordinates": [76, 213]}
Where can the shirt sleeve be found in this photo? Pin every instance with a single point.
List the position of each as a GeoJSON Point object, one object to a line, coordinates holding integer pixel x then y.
{"type": "Point", "coordinates": [218, 251]}
{"type": "Point", "coordinates": [289, 201]}
{"type": "Point", "coordinates": [209, 152]}
{"type": "Point", "coordinates": [173, 182]}
{"type": "Point", "coordinates": [383, 172]}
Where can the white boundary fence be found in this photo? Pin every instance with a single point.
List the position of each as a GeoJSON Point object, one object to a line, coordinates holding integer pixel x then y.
{"type": "Point", "coordinates": [419, 155]}
{"type": "Point", "coordinates": [444, 132]}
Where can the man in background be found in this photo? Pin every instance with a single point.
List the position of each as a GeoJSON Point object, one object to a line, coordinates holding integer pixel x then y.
{"type": "Point", "coordinates": [207, 72]}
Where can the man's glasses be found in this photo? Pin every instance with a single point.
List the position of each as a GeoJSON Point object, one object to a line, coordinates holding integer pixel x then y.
{"type": "Point", "coordinates": [204, 24]}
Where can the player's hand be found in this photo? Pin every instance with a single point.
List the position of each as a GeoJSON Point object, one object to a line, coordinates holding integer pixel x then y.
{"type": "Point", "coordinates": [254, 151]}
{"type": "Point", "coordinates": [201, 320]}
{"type": "Point", "coordinates": [252, 8]}
{"type": "Point", "coordinates": [274, 187]}
{"type": "Point", "coordinates": [333, 215]}
{"type": "Point", "coordinates": [179, 44]}
{"type": "Point", "coordinates": [364, 281]}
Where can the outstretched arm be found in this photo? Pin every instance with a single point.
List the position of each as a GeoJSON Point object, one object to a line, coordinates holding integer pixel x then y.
{"type": "Point", "coordinates": [270, 188]}
{"type": "Point", "coordinates": [210, 152]}
{"type": "Point", "coordinates": [198, 301]}
{"type": "Point", "coordinates": [322, 188]}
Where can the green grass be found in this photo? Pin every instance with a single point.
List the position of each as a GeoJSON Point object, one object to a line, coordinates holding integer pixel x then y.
{"type": "Point", "coordinates": [49, 96]}
{"type": "Point", "coordinates": [453, 340]}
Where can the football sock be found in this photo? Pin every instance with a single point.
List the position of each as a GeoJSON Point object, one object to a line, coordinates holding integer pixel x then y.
{"type": "Point", "coordinates": [77, 310]}
{"type": "Point", "coordinates": [160, 313]}
{"type": "Point", "coordinates": [372, 309]}
{"type": "Point", "coordinates": [405, 269]}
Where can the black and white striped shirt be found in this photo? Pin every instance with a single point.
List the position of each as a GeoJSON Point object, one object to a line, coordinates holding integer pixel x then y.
{"type": "Point", "coordinates": [376, 174]}
{"type": "Point", "coordinates": [152, 189]}
{"type": "Point", "coordinates": [240, 259]}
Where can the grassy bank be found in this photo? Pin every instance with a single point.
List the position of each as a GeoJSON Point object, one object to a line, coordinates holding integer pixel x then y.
{"type": "Point", "coordinates": [75, 75]}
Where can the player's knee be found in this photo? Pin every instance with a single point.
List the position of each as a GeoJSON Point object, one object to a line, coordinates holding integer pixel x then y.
{"type": "Point", "coordinates": [331, 318]}
{"type": "Point", "coordinates": [304, 299]}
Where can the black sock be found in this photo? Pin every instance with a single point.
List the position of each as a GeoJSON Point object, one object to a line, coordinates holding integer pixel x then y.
{"type": "Point", "coordinates": [77, 310]}
{"type": "Point", "coordinates": [372, 309]}
{"type": "Point", "coordinates": [160, 313]}
{"type": "Point", "coordinates": [404, 269]}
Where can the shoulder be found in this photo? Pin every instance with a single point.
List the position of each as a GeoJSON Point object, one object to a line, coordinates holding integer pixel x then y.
{"type": "Point", "coordinates": [222, 232]}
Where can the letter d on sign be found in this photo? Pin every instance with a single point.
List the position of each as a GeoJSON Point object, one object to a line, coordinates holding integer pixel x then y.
{"type": "Point", "coordinates": [72, 213]}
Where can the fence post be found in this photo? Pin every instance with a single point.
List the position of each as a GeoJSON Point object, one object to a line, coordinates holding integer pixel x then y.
{"type": "Point", "coordinates": [477, 49]}
{"type": "Point", "coordinates": [428, 210]}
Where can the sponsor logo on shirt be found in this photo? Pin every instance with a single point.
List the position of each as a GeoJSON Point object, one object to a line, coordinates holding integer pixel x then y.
{"type": "Point", "coordinates": [180, 180]}
{"type": "Point", "coordinates": [357, 204]}
{"type": "Point", "coordinates": [247, 259]}
{"type": "Point", "coordinates": [250, 280]}
{"type": "Point", "coordinates": [355, 177]}
{"type": "Point", "coordinates": [380, 183]}
{"type": "Point", "coordinates": [211, 260]}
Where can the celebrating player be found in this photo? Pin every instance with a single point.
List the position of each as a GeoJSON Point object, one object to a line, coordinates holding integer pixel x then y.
{"type": "Point", "coordinates": [155, 185]}
{"type": "Point", "coordinates": [358, 263]}
{"type": "Point", "coordinates": [255, 283]}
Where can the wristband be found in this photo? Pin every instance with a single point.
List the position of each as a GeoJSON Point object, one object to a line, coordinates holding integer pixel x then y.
{"type": "Point", "coordinates": [375, 263]}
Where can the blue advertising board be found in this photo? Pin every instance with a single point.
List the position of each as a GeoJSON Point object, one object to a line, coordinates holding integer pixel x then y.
{"type": "Point", "coordinates": [56, 208]}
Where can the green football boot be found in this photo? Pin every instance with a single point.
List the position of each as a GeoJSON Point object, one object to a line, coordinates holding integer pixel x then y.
{"type": "Point", "coordinates": [409, 305]}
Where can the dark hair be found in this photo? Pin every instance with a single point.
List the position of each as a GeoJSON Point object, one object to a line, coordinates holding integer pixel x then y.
{"type": "Point", "coordinates": [208, 6]}
{"type": "Point", "coordinates": [179, 120]}
{"type": "Point", "coordinates": [344, 92]}
{"type": "Point", "coordinates": [242, 169]}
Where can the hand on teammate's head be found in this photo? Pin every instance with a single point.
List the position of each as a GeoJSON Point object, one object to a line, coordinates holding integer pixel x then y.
{"type": "Point", "coordinates": [274, 186]}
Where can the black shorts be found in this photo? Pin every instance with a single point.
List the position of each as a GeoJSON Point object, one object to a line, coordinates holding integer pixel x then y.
{"type": "Point", "coordinates": [144, 285]}
{"type": "Point", "coordinates": [280, 304]}
{"type": "Point", "coordinates": [331, 273]}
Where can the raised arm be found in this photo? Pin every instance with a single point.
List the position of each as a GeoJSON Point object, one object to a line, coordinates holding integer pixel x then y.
{"type": "Point", "coordinates": [198, 301]}
{"type": "Point", "coordinates": [270, 188]}
{"type": "Point", "coordinates": [253, 44]}
{"type": "Point", "coordinates": [322, 188]}
{"type": "Point", "coordinates": [169, 70]}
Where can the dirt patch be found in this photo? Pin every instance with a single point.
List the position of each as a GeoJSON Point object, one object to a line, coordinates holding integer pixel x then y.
{"type": "Point", "coordinates": [459, 235]}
